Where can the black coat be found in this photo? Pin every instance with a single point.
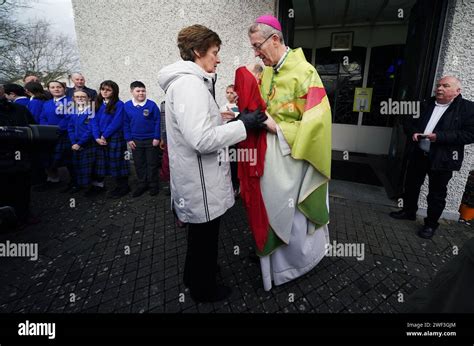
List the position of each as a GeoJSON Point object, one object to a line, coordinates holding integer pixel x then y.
{"type": "Point", "coordinates": [12, 114]}
{"type": "Point", "coordinates": [451, 289]}
{"type": "Point", "coordinates": [454, 130]}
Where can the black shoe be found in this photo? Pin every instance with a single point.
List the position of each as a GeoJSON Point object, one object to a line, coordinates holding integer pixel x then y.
{"type": "Point", "coordinates": [76, 189]}
{"type": "Point", "coordinates": [119, 192]}
{"type": "Point", "coordinates": [426, 232]}
{"type": "Point", "coordinates": [220, 293]}
{"type": "Point", "coordinates": [94, 191]}
{"type": "Point", "coordinates": [187, 284]}
{"type": "Point", "coordinates": [403, 215]}
{"type": "Point", "coordinates": [154, 191]}
{"type": "Point", "coordinates": [69, 188]}
{"type": "Point", "coordinates": [139, 191]}
{"type": "Point", "coordinates": [254, 258]}
{"type": "Point", "coordinates": [46, 186]}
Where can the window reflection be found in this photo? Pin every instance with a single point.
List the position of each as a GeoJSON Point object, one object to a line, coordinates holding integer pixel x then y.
{"type": "Point", "coordinates": [341, 80]}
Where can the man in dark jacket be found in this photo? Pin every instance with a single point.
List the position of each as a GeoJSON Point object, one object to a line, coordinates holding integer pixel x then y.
{"type": "Point", "coordinates": [437, 140]}
{"type": "Point", "coordinates": [80, 84]}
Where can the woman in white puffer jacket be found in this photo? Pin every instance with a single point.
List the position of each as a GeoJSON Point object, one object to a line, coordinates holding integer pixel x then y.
{"type": "Point", "coordinates": [201, 188]}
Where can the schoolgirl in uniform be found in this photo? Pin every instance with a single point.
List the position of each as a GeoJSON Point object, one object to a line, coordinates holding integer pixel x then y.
{"type": "Point", "coordinates": [86, 172]}
{"type": "Point", "coordinates": [107, 129]}
{"type": "Point", "coordinates": [55, 112]}
{"type": "Point", "coordinates": [37, 99]}
{"type": "Point", "coordinates": [38, 96]}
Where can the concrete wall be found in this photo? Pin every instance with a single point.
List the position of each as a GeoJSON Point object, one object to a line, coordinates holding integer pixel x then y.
{"type": "Point", "coordinates": [456, 59]}
{"type": "Point", "coordinates": [127, 40]}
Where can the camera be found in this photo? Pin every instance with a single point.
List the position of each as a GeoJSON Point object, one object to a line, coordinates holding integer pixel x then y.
{"type": "Point", "coordinates": [29, 135]}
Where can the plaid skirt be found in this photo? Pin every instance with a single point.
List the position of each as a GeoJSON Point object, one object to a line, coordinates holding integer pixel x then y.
{"type": "Point", "coordinates": [62, 153]}
{"type": "Point", "coordinates": [86, 165]}
{"type": "Point", "coordinates": [112, 158]}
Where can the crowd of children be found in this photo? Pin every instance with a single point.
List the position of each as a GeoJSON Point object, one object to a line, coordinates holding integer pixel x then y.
{"type": "Point", "coordinates": [94, 131]}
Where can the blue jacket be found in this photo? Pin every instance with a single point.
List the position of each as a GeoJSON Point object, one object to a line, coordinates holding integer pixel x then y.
{"type": "Point", "coordinates": [55, 113]}
{"type": "Point", "coordinates": [141, 123]}
{"type": "Point", "coordinates": [79, 128]}
{"type": "Point", "coordinates": [35, 107]}
{"type": "Point", "coordinates": [104, 124]}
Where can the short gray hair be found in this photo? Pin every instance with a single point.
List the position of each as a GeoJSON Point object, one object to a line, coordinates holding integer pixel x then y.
{"type": "Point", "coordinates": [456, 80]}
{"type": "Point", "coordinates": [266, 31]}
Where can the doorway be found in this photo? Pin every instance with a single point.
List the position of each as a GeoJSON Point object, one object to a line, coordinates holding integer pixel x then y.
{"type": "Point", "coordinates": [386, 48]}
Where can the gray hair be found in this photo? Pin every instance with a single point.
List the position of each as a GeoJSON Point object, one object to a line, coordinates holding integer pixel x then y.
{"type": "Point", "coordinates": [77, 74]}
{"type": "Point", "coordinates": [456, 80]}
{"type": "Point", "coordinates": [266, 31]}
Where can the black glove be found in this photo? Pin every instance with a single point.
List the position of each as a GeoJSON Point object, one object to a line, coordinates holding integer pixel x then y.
{"type": "Point", "coordinates": [252, 120]}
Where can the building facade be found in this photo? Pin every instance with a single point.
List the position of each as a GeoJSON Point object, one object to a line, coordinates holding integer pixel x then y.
{"type": "Point", "coordinates": [393, 49]}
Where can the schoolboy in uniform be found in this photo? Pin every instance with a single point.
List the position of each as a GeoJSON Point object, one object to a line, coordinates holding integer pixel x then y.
{"type": "Point", "coordinates": [142, 132]}
{"type": "Point", "coordinates": [16, 93]}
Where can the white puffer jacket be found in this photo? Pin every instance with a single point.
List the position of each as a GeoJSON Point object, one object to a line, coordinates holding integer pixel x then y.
{"type": "Point", "coordinates": [201, 188]}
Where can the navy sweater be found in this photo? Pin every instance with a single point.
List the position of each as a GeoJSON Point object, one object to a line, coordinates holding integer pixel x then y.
{"type": "Point", "coordinates": [107, 125]}
{"type": "Point", "coordinates": [141, 123]}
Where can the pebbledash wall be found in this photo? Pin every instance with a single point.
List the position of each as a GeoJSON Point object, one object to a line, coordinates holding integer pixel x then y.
{"type": "Point", "coordinates": [456, 59]}
{"type": "Point", "coordinates": [124, 40]}
{"type": "Point", "coordinates": [127, 40]}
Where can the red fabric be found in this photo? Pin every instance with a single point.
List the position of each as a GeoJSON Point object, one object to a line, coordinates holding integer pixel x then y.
{"type": "Point", "coordinates": [165, 166]}
{"type": "Point", "coordinates": [249, 99]}
{"type": "Point", "coordinates": [314, 97]}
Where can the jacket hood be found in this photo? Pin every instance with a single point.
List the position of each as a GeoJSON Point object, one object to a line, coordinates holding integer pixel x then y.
{"type": "Point", "coordinates": [170, 73]}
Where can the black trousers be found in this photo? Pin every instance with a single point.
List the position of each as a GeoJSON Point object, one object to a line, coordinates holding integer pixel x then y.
{"type": "Point", "coordinates": [418, 167]}
{"type": "Point", "coordinates": [15, 190]}
{"type": "Point", "coordinates": [147, 163]}
{"type": "Point", "coordinates": [234, 170]}
{"type": "Point", "coordinates": [200, 268]}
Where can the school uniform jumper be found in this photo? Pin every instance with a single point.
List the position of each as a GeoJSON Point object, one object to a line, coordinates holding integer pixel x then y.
{"type": "Point", "coordinates": [54, 112]}
{"type": "Point", "coordinates": [22, 100]}
{"type": "Point", "coordinates": [84, 162]}
{"type": "Point", "coordinates": [110, 126]}
{"type": "Point", "coordinates": [35, 107]}
{"type": "Point", "coordinates": [142, 125]}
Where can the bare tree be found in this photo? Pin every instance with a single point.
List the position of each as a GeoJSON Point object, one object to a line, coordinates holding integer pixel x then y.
{"type": "Point", "coordinates": [10, 30]}
{"type": "Point", "coordinates": [33, 48]}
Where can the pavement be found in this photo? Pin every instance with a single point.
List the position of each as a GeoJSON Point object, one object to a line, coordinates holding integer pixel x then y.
{"type": "Point", "coordinates": [127, 256]}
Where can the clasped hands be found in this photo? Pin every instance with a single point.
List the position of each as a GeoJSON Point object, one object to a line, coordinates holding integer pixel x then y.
{"type": "Point", "coordinates": [257, 120]}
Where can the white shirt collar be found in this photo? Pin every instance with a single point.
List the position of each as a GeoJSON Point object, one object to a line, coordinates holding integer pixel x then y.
{"type": "Point", "coordinates": [280, 63]}
{"type": "Point", "coordinates": [141, 104]}
{"type": "Point", "coordinates": [59, 99]}
{"type": "Point", "coordinates": [21, 97]}
{"type": "Point", "coordinates": [443, 104]}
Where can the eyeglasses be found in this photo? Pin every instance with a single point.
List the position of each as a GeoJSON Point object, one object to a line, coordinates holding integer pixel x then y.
{"type": "Point", "coordinates": [258, 47]}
